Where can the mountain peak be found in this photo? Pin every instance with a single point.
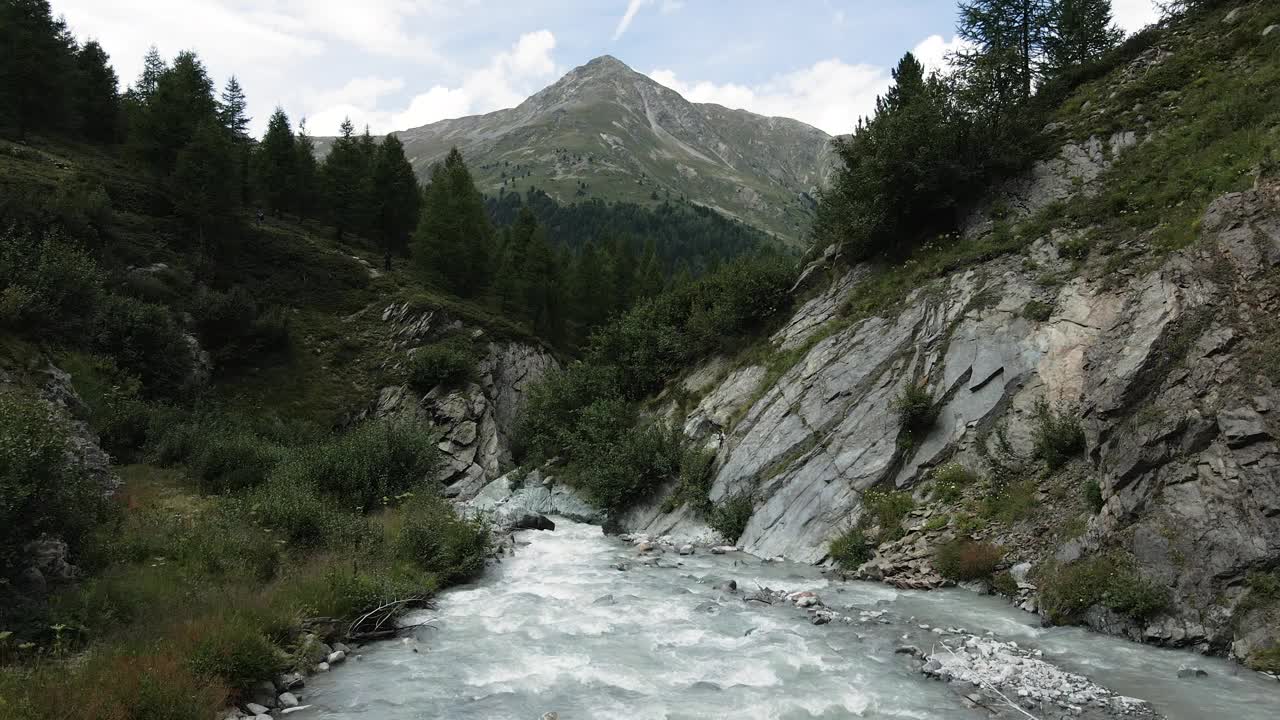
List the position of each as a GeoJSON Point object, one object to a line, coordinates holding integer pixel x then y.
{"type": "Point", "coordinates": [608, 61]}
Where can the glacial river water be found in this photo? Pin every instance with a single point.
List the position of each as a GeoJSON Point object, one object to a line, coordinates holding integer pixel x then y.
{"type": "Point", "coordinates": [534, 636]}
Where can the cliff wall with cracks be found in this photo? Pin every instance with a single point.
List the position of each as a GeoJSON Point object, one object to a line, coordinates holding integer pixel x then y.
{"type": "Point", "coordinates": [1163, 364]}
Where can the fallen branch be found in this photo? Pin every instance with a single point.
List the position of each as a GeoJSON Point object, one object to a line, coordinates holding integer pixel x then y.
{"type": "Point", "coordinates": [379, 623]}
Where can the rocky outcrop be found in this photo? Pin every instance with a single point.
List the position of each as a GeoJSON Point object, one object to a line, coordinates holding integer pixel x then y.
{"type": "Point", "coordinates": [511, 500]}
{"type": "Point", "coordinates": [474, 422]}
{"type": "Point", "coordinates": [1160, 364]}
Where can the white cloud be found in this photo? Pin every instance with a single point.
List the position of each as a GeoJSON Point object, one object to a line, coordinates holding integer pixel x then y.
{"type": "Point", "coordinates": [1133, 15]}
{"type": "Point", "coordinates": [830, 95]}
{"type": "Point", "coordinates": [633, 7]}
{"type": "Point", "coordinates": [934, 52]}
{"type": "Point", "coordinates": [509, 78]}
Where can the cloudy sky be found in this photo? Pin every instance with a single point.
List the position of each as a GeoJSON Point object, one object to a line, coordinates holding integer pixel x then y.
{"type": "Point", "coordinates": [395, 64]}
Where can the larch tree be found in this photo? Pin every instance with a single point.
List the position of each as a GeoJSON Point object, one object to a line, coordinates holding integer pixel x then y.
{"type": "Point", "coordinates": [397, 199]}
{"type": "Point", "coordinates": [274, 165]}
{"type": "Point", "coordinates": [344, 174]}
{"type": "Point", "coordinates": [97, 94]}
{"type": "Point", "coordinates": [1078, 33]}
{"type": "Point", "coordinates": [452, 245]}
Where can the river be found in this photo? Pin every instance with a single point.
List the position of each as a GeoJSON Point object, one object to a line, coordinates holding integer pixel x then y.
{"type": "Point", "coordinates": [537, 634]}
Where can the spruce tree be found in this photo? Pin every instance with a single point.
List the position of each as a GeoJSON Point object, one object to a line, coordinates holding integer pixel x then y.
{"type": "Point", "coordinates": [97, 95]}
{"type": "Point", "coordinates": [274, 165]}
{"type": "Point", "coordinates": [204, 180]}
{"type": "Point", "coordinates": [37, 57]}
{"type": "Point", "coordinates": [231, 109]}
{"type": "Point", "coordinates": [343, 175]}
{"type": "Point", "coordinates": [1007, 39]}
{"type": "Point", "coordinates": [452, 244]}
{"type": "Point", "coordinates": [1078, 33]}
{"type": "Point", "coordinates": [181, 103]}
{"type": "Point", "coordinates": [396, 196]}
{"type": "Point", "coordinates": [306, 195]}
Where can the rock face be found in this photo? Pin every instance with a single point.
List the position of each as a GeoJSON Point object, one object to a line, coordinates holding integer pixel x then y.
{"type": "Point", "coordinates": [517, 503]}
{"type": "Point", "coordinates": [1161, 366]}
{"type": "Point", "coordinates": [475, 422]}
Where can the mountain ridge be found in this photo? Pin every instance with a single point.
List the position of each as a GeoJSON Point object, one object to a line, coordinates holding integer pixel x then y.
{"type": "Point", "coordinates": [605, 131]}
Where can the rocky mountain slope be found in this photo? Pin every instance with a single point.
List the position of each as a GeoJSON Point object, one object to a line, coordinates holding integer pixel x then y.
{"type": "Point", "coordinates": [605, 131]}
{"type": "Point", "coordinates": [1157, 343]}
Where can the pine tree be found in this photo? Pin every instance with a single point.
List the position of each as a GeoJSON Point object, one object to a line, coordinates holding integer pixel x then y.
{"type": "Point", "coordinates": [231, 109]}
{"type": "Point", "coordinates": [274, 165]}
{"type": "Point", "coordinates": [153, 66]}
{"type": "Point", "coordinates": [1078, 33]}
{"type": "Point", "coordinates": [396, 196]}
{"type": "Point", "coordinates": [511, 278]}
{"type": "Point", "coordinates": [181, 103]}
{"type": "Point", "coordinates": [589, 297]}
{"type": "Point", "coordinates": [307, 174]}
{"type": "Point", "coordinates": [204, 180]}
{"type": "Point", "coordinates": [452, 244]}
{"type": "Point", "coordinates": [344, 176]}
{"type": "Point", "coordinates": [97, 94]}
{"type": "Point", "coordinates": [649, 275]}
{"type": "Point", "coordinates": [37, 56]}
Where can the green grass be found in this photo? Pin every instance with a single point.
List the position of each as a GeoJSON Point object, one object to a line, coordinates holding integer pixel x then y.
{"type": "Point", "coordinates": [850, 549]}
{"type": "Point", "coordinates": [1068, 590]}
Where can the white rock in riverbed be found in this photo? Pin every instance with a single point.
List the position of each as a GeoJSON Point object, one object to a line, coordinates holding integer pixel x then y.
{"type": "Point", "coordinates": [336, 657]}
{"type": "Point", "coordinates": [288, 700]}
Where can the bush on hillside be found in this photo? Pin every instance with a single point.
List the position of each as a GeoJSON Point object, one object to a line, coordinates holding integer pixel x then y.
{"type": "Point", "coordinates": [42, 487]}
{"type": "Point", "coordinates": [850, 549]}
{"type": "Point", "coordinates": [146, 341]}
{"type": "Point", "coordinates": [238, 331]}
{"type": "Point", "coordinates": [553, 408]}
{"type": "Point", "coordinates": [111, 396]}
{"type": "Point", "coordinates": [950, 480]}
{"type": "Point", "coordinates": [448, 363]}
{"type": "Point", "coordinates": [432, 536]}
{"type": "Point", "coordinates": [965, 560]}
{"type": "Point", "coordinates": [618, 462]}
{"type": "Point", "coordinates": [365, 469]}
{"type": "Point", "coordinates": [1067, 591]}
{"type": "Point", "coordinates": [730, 516]}
{"type": "Point", "coordinates": [916, 410]}
{"type": "Point", "coordinates": [887, 509]}
{"type": "Point", "coordinates": [50, 286]}
{"type": "Point", "coordinates": [297, 510]}
{"type": "Point", "coordinates": [1057, 437]}
{"type": "Point", "coordinates": [230, 459]}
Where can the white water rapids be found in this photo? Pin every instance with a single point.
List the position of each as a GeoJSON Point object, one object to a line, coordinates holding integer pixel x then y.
{"type": "Point", "coordinates": [531, 638]}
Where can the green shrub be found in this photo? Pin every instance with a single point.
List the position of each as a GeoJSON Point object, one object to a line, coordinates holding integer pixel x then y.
{"type": "Point", "coordinates": [937, 522]}
{"type": "Point", "coordinates": [236, 330]}
{"type": "Point", "coordinates": [115, 411]}
{"type": "Point", "coordinates": [447, 363]}
{"type": "Point", "coordinates": [1067, 591]}
{"type": "Point", "coordinates": [303, 516]}
{"type": "Point", "coordinates": [229, 459]}
{"type": "Point", "coordinates": [1093, 496]}
{"type": "Point", "coordinates": [553, 408]}
{"type": "Point", "coordinates": [48, 284]}
{"type": "Point", "coordinates": [1074, 248]}
{"type": "Point", "coordinates": [42, 488]}
{"type": "Point", "coordinates": [967, 559]}
{"type": "Point", "coordinates": [432, 536]}
{"type": "Point", "coordinates": [1037, 310]}
{"type": "Point", "coordinates": [696, 474]}
{"type": "Point", "coordinates": [232, 648]}
{"type": "Point", "coordinates": [1057, 437]}
{"type": "Point", "coordinates": [887, 509]}
{"type": "Point", "coordinates": [1003, 583]}
{"type": "Point", "coordinates": [950, 480]}
{"type": "Point", "coordinates": [145, 341]}
{"type": "Point", "coordinates": [367, 468]}
{"type": "Point", "coordinates": [730, 516]}
{"type": "Point", "coordinates": [1011, 503]}
{"type": "Point", "coordinates": [850, 549]}
{"type": "Point", "coordinates": [916, 410]}
{"type": "Point", "coordinates": [619, 462]}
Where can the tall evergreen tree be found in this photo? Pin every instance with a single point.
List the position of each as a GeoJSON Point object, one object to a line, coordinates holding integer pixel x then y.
{"type": "Point", "coordinates": [274, 165]}
{"type": "Point", "coordinates": [182, 102]}
{"type": "Point", "coordinates": [344, 176]}
{"type": "Point", "coordinates": [306, 195]}
{"type": "Point", "coordinates": [153, 66]}
{"type": "Point", "coordinates": [1007, 40]}
{"type": "Point", "coordinates": [232, 108]}
{"type": "Point", "coordinates": [204, 180]}
{"type": "Point", "coordinates": [590, 298]}
{"type": "Point", "coordinates": [36, 60]}
{"type": "Point", "coordinates": [97, 94]}
{"type": "Point", "coordinates": [1078, 32]}
{"type": "Point", "coordinates": [396, 196]}
{"type": "Point", "coordinates": [452, 244]}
